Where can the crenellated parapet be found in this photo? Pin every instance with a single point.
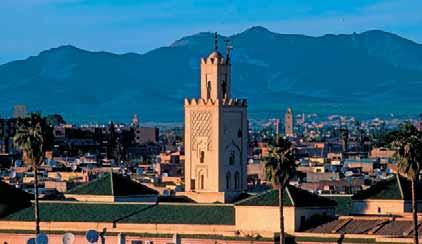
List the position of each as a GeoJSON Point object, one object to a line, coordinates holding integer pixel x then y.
{"type": "Point", "coordinates": [214, 60]}
{"type": "Point", "coordinates": [232, 102]}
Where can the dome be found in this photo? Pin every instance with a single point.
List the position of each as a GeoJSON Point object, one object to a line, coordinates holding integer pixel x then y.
{"type": "Point", "coordinates": [215, 54]}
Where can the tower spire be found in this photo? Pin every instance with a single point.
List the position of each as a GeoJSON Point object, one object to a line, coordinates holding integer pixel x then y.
{"type": "Point", "coordinates": [229, 47]}
{"type": "Point", "coordinates": [215, 41]}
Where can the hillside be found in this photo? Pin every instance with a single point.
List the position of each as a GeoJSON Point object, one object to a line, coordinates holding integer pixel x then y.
{"type": "Point", "coordinates": [370, 72]}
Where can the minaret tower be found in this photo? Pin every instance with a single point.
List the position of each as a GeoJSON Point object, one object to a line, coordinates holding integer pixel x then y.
{"type": "Point", "coordinates": [216, 133]}
{"type": "Point", "coordinates": [288, 123]}
{"type": "Point", "coordinates": [135, 121]}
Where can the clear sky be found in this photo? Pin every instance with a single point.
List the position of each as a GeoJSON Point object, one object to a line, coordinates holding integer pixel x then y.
{"type": "Point", "coordinates": [30, 26]}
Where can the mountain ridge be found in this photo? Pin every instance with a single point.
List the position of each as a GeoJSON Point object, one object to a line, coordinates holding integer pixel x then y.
{"type": "Point", "coordinates": [361, 73]}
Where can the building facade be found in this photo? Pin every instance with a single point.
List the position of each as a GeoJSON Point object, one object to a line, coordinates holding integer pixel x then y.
{"type": "Point", "coordinates": [215, 136]}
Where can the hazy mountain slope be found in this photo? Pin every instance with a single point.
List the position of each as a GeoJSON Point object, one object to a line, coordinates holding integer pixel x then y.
{"type": "Point", "coordinates": [372, 72]}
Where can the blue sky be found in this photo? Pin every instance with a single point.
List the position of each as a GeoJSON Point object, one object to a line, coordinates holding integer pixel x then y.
{"type": "Point", "coordinates": [30, 26]}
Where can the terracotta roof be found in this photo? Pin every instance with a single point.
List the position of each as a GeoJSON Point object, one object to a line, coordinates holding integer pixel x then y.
{"type": "Point", "coordinates": [374, 226]}
{"type": "Point", "coordinates": [293, 196]}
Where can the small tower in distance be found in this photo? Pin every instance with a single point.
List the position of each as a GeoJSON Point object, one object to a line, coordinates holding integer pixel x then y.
{"type": "Point", "coordinates": [135, 121]}
{"type": "Point", "coordinates": [288, 123]}
{"type": "Point", "coordinates": [19, 111]}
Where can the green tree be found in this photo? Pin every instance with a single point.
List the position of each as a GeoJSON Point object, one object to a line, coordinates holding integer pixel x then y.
{"type": "Point", "coordinates": [55, 119]}
{"type": "Point", "coordinates": [408, 141]}
{"type": "Point", "coordinates": [30, 138]}
{"type": "Point", "coordinates": [280, 167]}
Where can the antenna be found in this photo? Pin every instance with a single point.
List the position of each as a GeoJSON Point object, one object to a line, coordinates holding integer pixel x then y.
{"type": "Point", "coordinates": [215, 41]}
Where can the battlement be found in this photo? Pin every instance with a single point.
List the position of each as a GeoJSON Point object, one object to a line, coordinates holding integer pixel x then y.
{"type": "Point", "coordinates": [215, 60]}
{"type": "Point", "coordinates": [232, 102]}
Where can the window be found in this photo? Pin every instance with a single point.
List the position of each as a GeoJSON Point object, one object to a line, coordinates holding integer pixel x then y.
{"type": "Point", "coordinates": [209, 89]}
{"type": "Point", "coordinates": [379, 210]}
{"type": "Point", "coordinates": [192, 184]}
{"type": "Point", "coordinates": [224, 89]}
{"type": "Point", "coordinates": [232, 158]}
{"type": "Point", "coordinates": [228, 180]}
{"type": "Point", "coordinates": [202, 157]}
{"type": "Point", "coordinates": [237, 180]}
{"type": "Point", "coordinates": [202, 182]}
{"type": "Point", "coordinates": [239, 133]}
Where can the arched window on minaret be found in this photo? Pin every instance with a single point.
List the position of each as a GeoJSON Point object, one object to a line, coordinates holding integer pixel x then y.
{"type": "Point", "coordinates": [228, 180]}
{"type": "Point", "coordinates": [208, 89]}
{"type": "Point", "coordinates": [232, 158]}
{"type": "Point", "coordinates": [202, 157]}
{"type": "Point", "coordinates": [237, 180]}
{"type": "Point", "coordinates": [202, 182]}
{"type": "Point", "coordinates": [224, 89]}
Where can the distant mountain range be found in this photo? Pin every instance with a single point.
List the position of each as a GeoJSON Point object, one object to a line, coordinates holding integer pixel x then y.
{"type": "Point", "coordinates": [373, 72]}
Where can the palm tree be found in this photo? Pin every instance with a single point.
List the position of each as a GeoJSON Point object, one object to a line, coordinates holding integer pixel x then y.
{"type": "Point", "coordinates": [280, 167]}
{"type": "Point", "coordinates": [408, 141]}
{"type": "Point", "coordinates": [30, 139]}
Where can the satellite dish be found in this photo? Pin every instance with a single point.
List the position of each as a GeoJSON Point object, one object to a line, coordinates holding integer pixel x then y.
{"type": "Point", "coordinates": [31, 241]}
{"type": "Point", "coordinates": [18, 163]}
{"type": "Point", "coordinates": [12, 174]}
{"type": "Point", "coordinates": [41, 239]}
{"type": "Point", "coordinates": [92, 236]}
{"type": "Point", "coordinates": [68, 238]}
{"type": "Point", "coordinates": [73, 167]}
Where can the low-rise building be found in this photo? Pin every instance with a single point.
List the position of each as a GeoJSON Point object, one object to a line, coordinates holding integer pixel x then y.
{"type": "Point", "coordinates": [260, 214]}
{"type": "Point", "coordinates": [382, 152]}
{"type": "Point", "coordinates": [387, 197]}
{"type": "Point", "coordinates": [316, 177]}
{"type": "Point", "coordinates": [144, 135]}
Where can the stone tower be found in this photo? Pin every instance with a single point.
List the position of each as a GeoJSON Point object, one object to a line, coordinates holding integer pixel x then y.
{"type": "Point", "coordinates": [288, 123]}
{"type": "Point", "coordinates": [135, 121]}
{"type": "Point", "coordinates": [215, 136]}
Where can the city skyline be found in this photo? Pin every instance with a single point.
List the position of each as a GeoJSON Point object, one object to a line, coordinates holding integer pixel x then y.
{"type": "Point", "coordinates": [238, 170]}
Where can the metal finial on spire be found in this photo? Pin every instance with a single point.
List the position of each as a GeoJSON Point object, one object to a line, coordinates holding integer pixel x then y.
{"type": "Point", "coordinates": [229, 47]}
{"type": "Point", "coordinates": [215, 41]}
